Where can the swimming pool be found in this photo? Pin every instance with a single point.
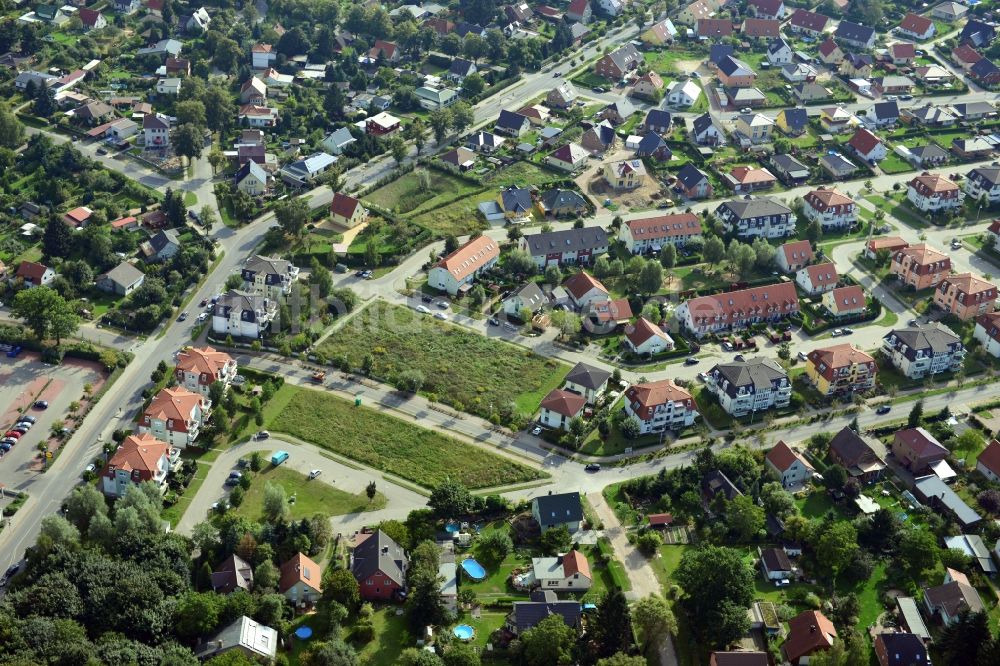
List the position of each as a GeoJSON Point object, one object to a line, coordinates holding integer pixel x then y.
{"type": "Point", "coordinates": [451, 528]}
{"type": "Point", "coordinates": [464, 632]}
{"type": "Point", "coordinates": [474, 569]}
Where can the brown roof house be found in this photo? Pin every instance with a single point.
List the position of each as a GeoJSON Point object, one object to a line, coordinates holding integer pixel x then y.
{"type": "Point", "coordinates": [988, 462]}
{"type": "Point", "coordinates": [346, 211]}
{"type": "Point", "coordinates": [560, 407]}
{"type": "Point", "coordinates": [300, 580]}
{"type": "Point", "coordinates": [234, 573]}
{"type": "Point", "coordinates": [809, 632]}
{"type": "Point", "coordinates": [857, 456]}
{"type": "Point", "coordinates": [916, 449]}
{"type": "Point", "coordinates": [949, 600]}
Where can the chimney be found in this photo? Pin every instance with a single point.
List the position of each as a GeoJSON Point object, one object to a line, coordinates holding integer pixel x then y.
{"type": "Point", "coordinates": [812, 628]}
{"type": "Point", "coordinates": [385, 550]}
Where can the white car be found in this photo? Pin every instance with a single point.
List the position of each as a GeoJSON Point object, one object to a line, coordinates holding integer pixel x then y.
{"type": "Point", "coordinates": [537, 430]}
{"type": "Point", "coordinates": [314, 473]}
{"type": "Point", "coordinates": [423, 309]}
{"type": "Point", "coordinates": [836, 333]}
{"type": "Point", "coordinates": [202, 317]}
{"type": "Point", "coordinates": [440, 315]}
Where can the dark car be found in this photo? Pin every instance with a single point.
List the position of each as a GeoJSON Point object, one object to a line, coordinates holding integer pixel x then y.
{"type": "Point", "coordinates": [884, 409]}
{"type": "Point", "coordinates": [183, 317]}
{"type": "Point", "coordinates": [41, 404]}
{"type": "Point", "coordinates": [494, 321]}
{"type": "Point", "coordinates": [203, 303]}
{"type": "Point", "coordinates": [28, 419]}
{"type": "Point", "coordinates": [234, 478]}
{"type": "Point", "coordinates": [11, 570]}
{"type": "Point", "coordinates": [690, 360]}
{"type": "Point", "coordinates": [593, 467]}
{"type": "Point", "coordinates": [359, 274]}
{"type": "Point", "coordinates": [427, 299]}
{"type": "Point", "coordinates": [5, 445]}
{"type": "Point", "coordinates": [739, 357]}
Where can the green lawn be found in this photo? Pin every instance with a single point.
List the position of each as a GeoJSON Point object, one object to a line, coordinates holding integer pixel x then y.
{"type": "Point", "coordinates": [816, 505]}
{"type": "Point", "coordinates": [469, 371]}
{"type": "Point", "coordinates": [666, 564]}
{"type": "Point", "coordinates": [173, 513]}
{"type": "Point", "coordinates": [421, 188]}
{"type": "Point", "coordinates": [312, 496]}
{"type": "Point", "coordinates": [893, 163]}
{"type": "Point", "coordinates": [392, 636]}
{"type": "Point", "coordinates": [374, 438]}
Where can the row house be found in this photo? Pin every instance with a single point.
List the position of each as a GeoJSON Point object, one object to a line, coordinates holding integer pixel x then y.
{"type": "Point", "coordinates": [660, 406]}
{"type": "Point", "coordinates": [652, 233]}
{"type": "Point", "coordinates": [920, 266]}
{"type": "Point", "coordinates": [754, 385]}
{"type": "Point", "coordinates": [841, 369]}
{"type": "Point", "coordinates": [965, 296]}
{"type": "Point", "coordinates": [736, 310]}
{"type": "Point", "coordinates": [456, 272]}
{"type": "Point", "coordinates": [750, 217]}
{"type": "Point", "coordinates": [569, 246]}
{"type": "Point", "coordinates": [921, 351]}
{"type": "Point", "coordinates": [817, 279]}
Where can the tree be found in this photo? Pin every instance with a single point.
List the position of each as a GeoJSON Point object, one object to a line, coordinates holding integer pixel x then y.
{"type": "Point", "coordinates": [613, 629]}
{"type": "Point", "coordinates": [339, 585]}
{"type": "Point", "coordinates": [650, 277]}
{"type": "Point", "coordinates": [415, 657]}
{"type": "Point", "coordinates": [776, 500]}
{"type": "Point", "coordinates": [330, 653]}
{"type": "Point", "coordinates": [398, 149]}
{"type": "Point", "coordinates": [668, 256]}
{"type": "Point", "coordinates": [918, 552]}
{"type": "Point", "coordinates": [744, 518]}
{"type": "Point", "coordinates": [417, 133]}
{"type": "Point", "coordinates": [916, 416]}
{"type": "Point", "coordinates": [962, 641]}
{"type": "Point", "coordinates": [190, 111]}
{"type": "Point", "coordinates": [83, 504]}
{"type": "Point", "coordinates": [713, 251]}
{"type": "Point", "coordinates": [989, 499]}
{"type": "Point", "coordinates": [188, 140]}
{"type": "Point", "coordinates": [58, 239]}
{"type": "Point", "coordinates": [648, 543]}
{"type": "Point", "coordinates": [631, 428]}
{"type": "Point", "coordinates": [835, 477]}
{"type": "Point", "coordinates": [43, 310]}
{"type": "Point", "coordinates": [763, 253]}
{"type": "Point", "coordinates": [568, 323]}
{"type": "Point", "coordinates": [11, 129]}
{"type": "Point", "coordinates": [556, 540]}
{"type": "Point", "coordinates": [622, 659]}
{"type": "Point", "coordinates": [719, 588]}
{"type": "Point", "coordinates": [548, 642]}
{"type": "Point", "coordinates": [837, 547]}
{"type": "Point", "coordinates": [216, 159]}
{"type": "Point", "coordinates": [197, 614]}
{"type": "Point", "coordinates": [266, 576]}
{"type": "Point", "coordinates": [553, 275]}
{"type": "Point", "coordinates": [497, 544]}
{"type": "Point", "coordinates": [370, 491]}
{"type": "Point", "coordinates": [654, 619]}
{"type": "Point", "coordinates": [451, 500]}
{"type": "Point", "coordinates": [462, 116]}
{"type": "Point", "coordinates": [814, 231]}
{"type": "Point", "coordinates": [461, 654]}
{"type": "Point", "coordinates": [473, 85]}
{"type": "Point", "coordinates": [292, 215]}
{"type": "Point", "coordinates": [275, 505]}
{"type": "Point", "coordinates": [440, 121]}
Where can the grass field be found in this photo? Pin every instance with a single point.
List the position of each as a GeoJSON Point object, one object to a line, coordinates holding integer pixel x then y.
{"type": "Point", "coordinates": [895, 164]}
{"type": "Point", "coordinates": [471, 372]}
{"type": "Point", "coordinates": [312, 496]}
{"type": "Point", "coordinates": [429, 191]}
{"type": "Point", "coordinates": [374, 438]}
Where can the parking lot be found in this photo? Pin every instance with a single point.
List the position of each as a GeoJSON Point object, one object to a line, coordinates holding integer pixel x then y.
{"type": "Point", "coordinates": [24, 381]}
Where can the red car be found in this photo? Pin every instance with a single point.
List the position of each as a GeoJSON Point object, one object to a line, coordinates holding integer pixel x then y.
{"type": "Point", "coordinates": [12, 433]}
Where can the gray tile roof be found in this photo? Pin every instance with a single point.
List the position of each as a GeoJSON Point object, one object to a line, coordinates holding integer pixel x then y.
{"type": "Point", "coordinates": [932, 488]}
{"type": "Point", "coordinates": [568, 240]}
{"type": "Point", "coordinates": [935, 337]}
{"type": "Point", "coordinates": [379, 552]}
{"type": "Point", "coordinates": [745, 209]}
{"type": "Point", "coordinates": [588, 376]}
{"type": "Point", "coordinates": [758, 372]}
{"type": "Point", "coordinates": [560, 508]}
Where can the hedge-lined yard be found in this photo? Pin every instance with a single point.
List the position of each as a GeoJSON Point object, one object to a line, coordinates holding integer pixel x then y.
{"type": "Point", "coordinates": [382, 441]}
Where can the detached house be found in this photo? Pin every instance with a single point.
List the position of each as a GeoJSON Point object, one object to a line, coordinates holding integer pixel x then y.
{"type": "Point", "coordinates": [693, 183]}
{"type": "Point", "coordinates": [560, 407]}
{"type": "Point", "coordinates": [868, 146]}
{"type": "Point", "coordinates": [743, 179]}
{"type": "Point", "coordinates": [34, 274]}
{"type": "Point", "coordinates": [809, 632]}
{"type": "Point", "coordinates": [512, 124]}
{"type": "Point", "coordinates": [568, 157]}
{"type": "Point", "coordinates": [346, 211]}
{"type": "Point", "coordinates": [644, 338]}
{"type": "Point", "coordinates": [379, 565]}
{"type": "Point", "coordinates": [919, 351]}
{"type": "Point", "coordinates": [830, 53]}
{"type": "Point", "coordinates": [268, 276]}
{"type": "Point", "coordinates": [683, 93]}
{"type": "Point", "coordinates": [788, 465]}
{"type": "Point", "coordinates": [660, 405]}
{"type": "Point", "coordinates": [954, 597]}
{"type": "Point", "coordinates": [91, 20]}
{"type": "Point", "coordinates": [242, 314]}
{"type": "Point", "coordinates": [807, 23]}
{"type": "Point", "coordinates": [965, 296]}
{"type": "Point", "coordinates": [584, 289]}
{"type": "Point", "coordinates": [569, 572]}
{"type": "Point", "coordinates": [588, 381]}
{"type": "Point", "coordinates": [916, 26]}
{"type": "Point", "coordinates": [860, 36]}
{"type": "Point", "coordinates": [841, 369]}
{"type": "Point", "coordinates": [916, 449]}
{"type": "Point", "coordinates": [155, 130]}
{"type": "Point", "coordinates": [845, 301]}
{"type": "Point", "coordinates": [121, 280]}
{"type": "Point", "coordinates": [817, 278]}
{"type": "Point", "coordinates": [706, 131]}
{"type": "Point", "coordinates": [793, 255]}
{"type": "Point", "coordinates": [856, 455]}
{"type": "Point", "coordinates": [988, 462]}
{"type": "Point", "coordinates": [772, 9]}
{"type": "Point", "coordinates": [615, 65]}
{"type": "Point", "coordinates": [987, 332]}
{"type": "Point", "coordinates": [456, 272]}
{"type": "Point", "coordinates": [830, 208]}
{"type": "Point", "coordinates": [234, 573]}
{"type": "Point", "coordinates": [625, 174]}
{"type": "Point", "coordinates": [299, 581]}
{"type": "Point", "coordinates": [554, 511]}
{"type": "Point", "coordinates": [197, 369]}
{"type": "Point", "coordinates": [139, 458]}
{"type": "Point", "coordinates": [736, 73]}
{"type": "Point", "coordinates": [175, 416]}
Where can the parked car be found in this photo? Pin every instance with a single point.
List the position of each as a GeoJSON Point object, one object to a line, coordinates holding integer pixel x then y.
{"type": "Point", "coordinates": [802, 356]}
{"type": "Point", "coordinates": [26, 418]}
{"type": "Point", "coordinates": [912, 322]}
{"type": "Point", "coordinates": [423, 309]}
{"type": "Point", "coordinates": [427, 299]}
{"type": "Point", "coordinates": [41, 404]}
{"type": "Point", "coordinates": [442, 304]}
{"type": "Point", "coordinates": [261, 434]}
{"type": "Point", "coordinates": [494, 321]}
{"type": "Point", "coordinates": [739, 357]}
{"type": "Point", "coordinates": [5, 446]}
{"type": "Point", "coordinates": [836, 332]}
{"type": "Point", "coordinates": [203, 302]}
{"type": "Point", "coordinates": [234, 478]}
{"type": "Point", "coordinates": [183, 317]}
{"type": "Point", "coordinates": [440, 315]}
{"type": "Point", "coordinates": [11, 570]}
{"type": "Point", "coordinates": [537, 430]}
{"type": "Point", "coordinates": [728, 346]}
{"type": "Point", "coordinates": [314, 473]}
{"type": "Point", "coordinates": [593, 467]}
{"type": "Point", "coordinates": [690, 360]}
{"type": "Point", "coordinates": [202, 317]}
{"type": "Point", "coordinates": [847, 330]}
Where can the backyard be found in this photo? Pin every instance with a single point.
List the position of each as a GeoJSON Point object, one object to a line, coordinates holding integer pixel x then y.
{"type": "Point", "coordinates": [374, 438]}
{"type": "Point", "coordinates": [468, 371]}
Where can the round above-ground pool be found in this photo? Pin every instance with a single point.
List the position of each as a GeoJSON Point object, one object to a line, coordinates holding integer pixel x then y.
{"type": "Point", "coordinates": [464, 632]}
{"type": "Point", "coordinates": [474, 569]}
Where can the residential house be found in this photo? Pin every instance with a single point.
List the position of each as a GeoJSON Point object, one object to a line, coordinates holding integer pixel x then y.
{"type": "Point", "coordinates": [775, 564]}
{"type": "Point", "coordinates": [168, 86]}
{"type": "Point", "coordinates": [659, 121]}
{"type": "Point", "coordinates": [175, 416]}
{"type": "Point", "coordinates": [127, 6]}
{"type": "Point", "coordinates": [902, 53]}
{"type": "Point", "coordinates": [569, 246]}
{"type": "Point", "coordinates": [794, 255]}
{"type": "Point", "coordinates": [198, 369]}
{"type": "Point", "coordinates": [717, 52]}
{"type": "Point", "coordinates": [985, 72]}
{"type": "Point", "coordinates": [845, 301]}
{"type": "Point", "coordinates": [706, 132]}
{"type": "Point", "coordinates": [987, 332]}
{"type": "Point", "coordinates": [809, 632]}
{"type": "Point", "coordinates": [793, 121]}
{"type": "Point", "coordinates": [817, 279]}
{"type": "Point", "coordinates": [933, 75]}
{"type": "Point", "coordinates": [949, 600]}
{"type": "Point", "coordinates": [299, 581]}
{"type": "Point", "coordinates": [600, 138]}
{"type": "Point", "coordinates": [648, 86]}
{"type": "Point", "coordinates": [304, 171]}
{"type": "Point", "coordinates": [749, 217]}
{"type": "Point", "coordinates": [974, 110]}
{"type": "Point", "coordinates": [965, 56]}
{"type": "Point", "coordinates": [268, 276]}
{"type": "Point", "coordinates": [916, 449]}
{"type": "Point", "coordinates": [561, 203]}
{"type": "Point", "coordinates": [895, 648]}
{"type": "Point", "coordinates": [253, 91]}
{"type": "Point", "coordinates": [611, 8]}
{"type": "Point", "coordinates": [243, 315]}
{"type": "Point", "coordinates": [746, 387]}
{"type": "Point", "coordinates": [121, 280]}
{"type": "Point", "coordinates": [78, 217]}
{"type": "Point", "coordinates": [772, 9]}
{"type": "Point", "coordinates": [155, 131]}
{"type": "Point", "coordinates": [693, 183]}
{"type": "Point", "coordinates": [263, 56]}
{"type": "Point", "coordinates": [568, 157]}
{"type": "Point", "coordinates": [569, 572]}
{"type": "Point", "coordinates": [868, 146]}
{"type": "Point", "coordinates": [949, 11]}
{"type": "Point", "coordinates": [34, 274]}
{"type": "Point", "coordinates": [807, 23]}
{"type": "Point", "coordinates": [849, 450]}
{"type": "Point", "coordinates": [798, 72]}
{"type": "Point", "coordinates": [830, 53]}
{"type": "Point", "coordinates": [544, 603]}
{"type": "Point", "coordinates": [788, 465]}
{"type": "Point", "coordinates": [838, 166]}
{"type": "Point", "coordinates": [707, 28]}
{"type": "Point", "coordinates": [233, 573]}
{"type": "Point", "coordinates": [511, 124]}
{"type": "Point", "coordinates": [457, 271]}
{"type": "Point", "coordinates": [616, 64]}
{"type": "Point", "coordinates": [138, 459]}
{"type": "Point", "coordinates": [691, 13]}
{"type": "Point", "coordinates": [515, 202]}
{"type": "Point", "coordinates": [735, 310]}
{"type": "Point", "coordinates": [434, 98]}
{"type": "Point", "coordinates": [91, 19]}
{"type": "Point", "coordinates": [738, 658]}
{"type": "Point", "coordinates": [859, 36]}
{"type": "Point", "coordinates": [252, 179]}
{"type": "Point", "coordinates": [660, 405]}
{"type": "Point", "coordinates": [883, 114]}
{"type": "Point", "coordinates": [759, 28]}
{"type": "Point", "coordinates": [461, 158]}
{"type": "Point", "coordinates": [618, 112]}
{"type": "Point", "coordinates": [744, 179]}
{"type": "Point", "coordinates": [654, 146]}
{"type": "Point", "coordinates": [560, 407]}
{"type": "Point", "coordinates": [916, 26]}
{"type": "Point", "coordinates": [939, 496]}
{"type": "Point", "coordinates": [741, 98]}
{"type": "Point", "coordinates": [461, 68]}
{"type": "Point", "coordinates": [837, 119]}
{"type": "Point", "coordinates": [974, 548]}
{"type": "Point", "coordinates": [644, 338]}
{"type": "Point", "coordinates": [830, 208]}
{"type": "Point", "coordinates": [244, 635]}
{"type": "Point", "coordinates": [337, 141]}
{"type": "Point", "coordinates": [384, 123]}
{"type": "Point", "coordinates": [735, 73]}
{"type": "Point", "coordinates": [578, 11]}
{"type": "Point", "coordinates": [717, 484]}
{"type": "Point", "coordinates": [929, 155]}
{"type": "Point", "coordinates": [965, 296]}
{"type": "Point", "coordinates": [790, 170]}
{"type": "Point", "coordinates": [553, 511]}
{"type": "Point", "coordinates": [659, 34]}
{"type": "Point", "coordinates": [584, 290]}
{"type": "Point", "coordinates": [609, 314]}
{"type": "Point", "coordinates": [563, 96]}
{"type": "Point", "coordinates": [652, 233]}
{"type": "Point", "coordinates": [919, 351]}
{"type": "Point", "coordinates": [529, 296]}
{"type": "Point", "coordinates": [930, 116]}
{"type": "Point", "coordinates": [485, 142]}
{"type": "Point", "coordinates": [683, 93]}
{"type": "Point", "coordinates": [988, 462]}
{"type": "Point", "coordinates": [976, 148]}
{"type": "Point", "coordinates": [588, 381]}
{"type": "Point", "coordinates": [625, 175]}
{"type": "Point", "coordinates": [920, 266]}
{"type": "Point", "coordinates": [857, 65]}
{"type": "Point", "coordinates": [177, 66]}
{"type": "Point", "coordinates": [347, 211]}
{"type": "Point", "coordinates": [258, 116]}
{"type": "Point", "coordinates": [841, 369]}
{"type": "Point", "coordinates": [537, 114]}
{"type": "Point", "coordinates": [161, 246]}
{"type": "Point", "coordinates": [754, 128]}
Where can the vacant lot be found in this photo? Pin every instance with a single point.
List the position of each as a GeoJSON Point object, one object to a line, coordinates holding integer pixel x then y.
{"type": "Point", "coordinates": [312, 496]}
{"type": "Point", "coordinates": [469, 371]}
{"type": "Point", "coordinates": [427, 190]}
{"type": "Point", "coordinates": [387, 443]}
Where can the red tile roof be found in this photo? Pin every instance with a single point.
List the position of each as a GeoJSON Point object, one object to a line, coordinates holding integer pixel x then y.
{"type": "Point", "coordinates": [783, 456]}
{"type": "Point", "coordinates": [731, 306]}
{"type": "Point", "coordinates": [808, 632]}
{"type": "Point", "coordinates": [714, 27]}
{"type": "Point", "coordinates": [344, 205]}
{"type": "Point", "coordinates": [660, 518]}
{"type": "Point", "coordinates": [891, 243]}
{"type": "Point", "coordinates": [652, 394]}
{"type": "Point", "coordinates": [578, 285]}
{"type": "Point", "coordinates": [969, 284]}
{"type": "Point", "coordinates": [828, 47]}
{"type": "Point", "coordinates": [758, 27]}
{"type": "Point", "coordinates": [864, 141]}
{"type": "Point", "coordinates": [991, 322]}
{"type": "Point", "coordinates": [990, 457]}
{"type": "Point", "coordinates": [827, 360]}
{"type": "Point", "coordinates": [797, 252]}
{"type": "Point", "coordinates": [575, 562]}
{"type": "Point", "coordinates": [567, 403]}
{"type": "Point", "coordinates": [821, 275]}
{"type": "Point", "coordinates": [299, 568]}
{"type": "Point", "coordinates": [207, 361]}
{"type": "Point", "coordinates": [88, 17]}
{"type": "Point", "coordinates": [848, 299]}
{"type": "Point", "coordinates": [752, 175]}
{"type": "Point", "coordinates": [78, 216]}
{"type": "Point", "coordinates": [470, 257]}
{"type": "Point", "coordinates": [138, 455]}
{"type": "Point", "coordinates": [642, 330]}
{"type": "Point", "coordinates": [923, 254]}
{"type": "Point", "coordinates": [903, 50]}
{"type": "Point", "coordinates": [927, 183]}
{"type": "Point", "coordinates": [916, 24]}
{"type": "Point", "coordinates": [966, 54]}
{"type": "Point", "coordinates": [823, 199]}
{"type": "Point", "coordinates": [809, 20]}
{"type": "Point", "coordinates": [664, 226]}
{"type": "Point", "coordinates": [920, 442]}
{"type": "Point", "coordinates": [173, 403]}
{"type": "Point", "coordinates": [617, 310]}
{"type": "Point", "coordinates": [31, 270]}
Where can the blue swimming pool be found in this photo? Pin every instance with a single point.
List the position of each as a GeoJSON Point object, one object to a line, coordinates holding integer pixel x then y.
{"type": "Point", "coordinates": [474, 569]}
{"type": "Point", "coordinates": [451, 528]}
{"type": "Point", "coordinates": [464, 632]}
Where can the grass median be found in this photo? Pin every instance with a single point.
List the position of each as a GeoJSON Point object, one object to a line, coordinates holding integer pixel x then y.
{"type": "Point", "coordinates": [423, 456]}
